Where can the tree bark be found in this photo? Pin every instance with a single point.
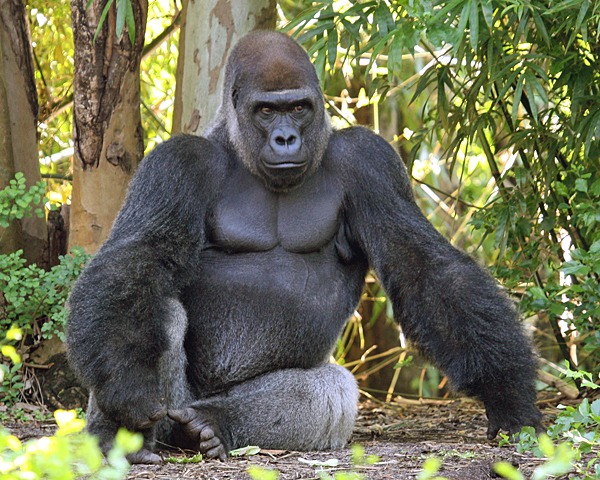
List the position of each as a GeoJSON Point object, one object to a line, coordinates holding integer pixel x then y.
{"type": "Point", "coordinates": [18, 125]}
{"type": "Point", "coordinates": [107, 129]}
{"type": "Point", "coordinates": [209, 30]}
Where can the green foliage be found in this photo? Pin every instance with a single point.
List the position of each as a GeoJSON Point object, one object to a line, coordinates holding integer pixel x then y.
{"type": "Point", "coordinates": [358, 459]}
{"type": "Point", "coordinates": [578, 431]}
{"type": "Point", "coordinates": [124, 17]}
{"type": "Point", "coordinates": [16, 200]}
{"type": "Point", "coordinates": [32, 299]}
{"type": "Point", "coordinates": [185, 460]}
{"type": "Point", "coordinates": [430, 470]}
{"type": "Point", "coordinates": [69, 454]}
{"type": "Point", "coordinates": [10, 376]}
{"type": "Point", "coordinates": [515, 83]}
{"type": "Point", "coordinates": [35, 298]}
{"type": "Point", "coordinates": [260, 473]}
{"type": "Point", "coordinates": [558, 461]}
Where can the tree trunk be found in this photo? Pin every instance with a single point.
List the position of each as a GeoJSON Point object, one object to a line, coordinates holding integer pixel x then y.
{"type": "Point", "coordinates": [18, 125]}
{"type": "Point", "coordinates": [107, 127]}
{"type": "Point", "coordinates": [209, 30]}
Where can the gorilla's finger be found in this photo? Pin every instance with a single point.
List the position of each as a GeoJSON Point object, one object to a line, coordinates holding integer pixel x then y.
{"type": "Point", "coordinates": [492, 431]}
{"type": "Point", "coordinates": [182, 416]}
{"type": "Point", "coordinates": [217, 452]}
{"type": "Point", "coordinates": [144, 456]}
{"type": "Point", "coordinates": [158, 414]}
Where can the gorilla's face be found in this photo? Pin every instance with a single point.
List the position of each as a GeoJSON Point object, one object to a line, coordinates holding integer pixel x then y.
{"type": "Point", "coordinates": [278, 127]}
{"type": "Point", "coordinates": [276, 118]}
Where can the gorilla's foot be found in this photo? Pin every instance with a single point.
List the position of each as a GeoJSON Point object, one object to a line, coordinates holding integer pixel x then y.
{"type": "Point", "coordinates": [201, 431]}
{"type": "Point", "coordinates": [144, 456]}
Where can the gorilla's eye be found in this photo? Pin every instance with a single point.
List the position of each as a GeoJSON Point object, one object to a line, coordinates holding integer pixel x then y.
{"type": "Point", "coordinates": [266, 110]}
{"type": "Point", "coordinates": [298, 108]}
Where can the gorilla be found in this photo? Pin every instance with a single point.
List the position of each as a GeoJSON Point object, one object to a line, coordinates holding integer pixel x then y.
{"type": "Point", "coordinates": [207, 319]}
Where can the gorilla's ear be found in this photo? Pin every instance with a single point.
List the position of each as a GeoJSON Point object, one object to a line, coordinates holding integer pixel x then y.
{"type": "Point", "coordinates": [234, 97]}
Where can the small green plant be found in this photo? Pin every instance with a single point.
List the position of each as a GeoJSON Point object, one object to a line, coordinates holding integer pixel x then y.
{"type": "Point", "coordinates": [261, 473]}
{"type": "Point", "coordinates": [10, 378]}
{"type": "Point", "coordinates": [16, 200]}
{"type": "Point", "coordinates": [185, 460]}
{"type": "Point", "coordinates": [559, 461]}
{"type": "Point", "coordinates": [357, 457]}
{"type": "Point", "coordinates": [576, 428]}
{"type": "Point", "coordinates": [34, 296]}
{"type": "Point", "coordinates": [70, 453]}
{"type": "Point", "coordinates": [430, 470]}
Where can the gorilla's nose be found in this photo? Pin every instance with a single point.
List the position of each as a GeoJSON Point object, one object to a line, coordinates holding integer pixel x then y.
{"type": "Point", "coordinates": [285, 141]}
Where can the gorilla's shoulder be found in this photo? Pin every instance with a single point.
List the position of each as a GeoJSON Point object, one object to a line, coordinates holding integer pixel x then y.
{"type": "Point", "coordinates": [359, 147]}
{"type": "Point", "coordinates": [185, 154]}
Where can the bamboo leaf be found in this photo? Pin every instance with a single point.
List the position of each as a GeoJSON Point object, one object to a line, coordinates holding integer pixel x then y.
{"type": "Point", "coordinates": [462, 25]}
{"type": "Point", "coordinates": [530, 79]}
{"type": "Point", "coordinates": [488, 13]}
{"type": "Point", "coordinates": [102, 18]}
{"type": "Point", "coordinates": [302, 19]}
{"type": "Point", "coordinates": [517, 99]}
{"type": "Point", "coordinates": [313, 32]}
{"type": "Point", "coordinates": [395, 55]}
{"type": "Point", "coordinates": [120, 23]}
{"type": "Point", "coordinates": [332, 44]}
{"type": "Point", "coordinates": [383, 19]}
{"type": "Point", "coordinates": [541, 26]}
{"type": "Point", "coordinates": [427, 78]}
{"type": "Point", "coordinates": [474, 24]}
{"type": "Point", "coordinates": [585, 5]}
{"type": "Point", "coordinates": [130, 21]}
{"type": "Point", "coordinates": [445, 10]}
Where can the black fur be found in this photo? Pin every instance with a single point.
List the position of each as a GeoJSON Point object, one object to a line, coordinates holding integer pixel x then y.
{"type": "Point", "coordinates": [208, 317]}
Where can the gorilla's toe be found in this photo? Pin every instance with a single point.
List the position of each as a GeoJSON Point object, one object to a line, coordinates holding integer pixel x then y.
{"type": "Point", "coordinates": [144, 456]}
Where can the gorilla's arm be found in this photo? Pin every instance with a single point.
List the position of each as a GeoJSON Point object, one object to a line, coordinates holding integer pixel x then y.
{"type": "Point", "coordinates": [118, 310]}
{"type": "Point", "coordinates": [445, 303]}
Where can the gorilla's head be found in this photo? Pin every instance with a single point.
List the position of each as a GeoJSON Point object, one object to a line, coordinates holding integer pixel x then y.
{"type": "Point", "coordinates": [273, 109]}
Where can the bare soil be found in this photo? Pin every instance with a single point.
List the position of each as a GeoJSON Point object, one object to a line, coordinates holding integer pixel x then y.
{"type": "Point", "coordinates": [402, 434]}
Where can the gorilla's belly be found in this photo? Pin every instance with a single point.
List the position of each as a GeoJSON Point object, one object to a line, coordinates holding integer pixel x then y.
{"type": "Point", "coordinates": [257, 312]}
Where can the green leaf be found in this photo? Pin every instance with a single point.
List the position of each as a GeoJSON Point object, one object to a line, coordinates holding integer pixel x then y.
{"type": "Point", "coordinates": [120, 22]}
{"type": "Point", "coordinates": [581, 185]}
{"type": "Point", "coordinates": [574, 267]}
{"type": "Point", "coordinates": [103, 18]}
{"type": "Point", "coordinates": [474, 24]}
{"type": "Point", "coordinates": [332, 44]}
{"type": "Point", "coordinates": [260, 473]}
{"type": "Point", "coordinates": [506, 470]}
{"type": "Point", "coordinates": [185, 460]}
{"type": "Point", "coordinates": [245, 451]}
{"type": "Point", "coordinates": [517, 99]}
{"type": "Point", "coordinates": [488, 13]}
{"type": "Point", "coordinates": [130, 21]}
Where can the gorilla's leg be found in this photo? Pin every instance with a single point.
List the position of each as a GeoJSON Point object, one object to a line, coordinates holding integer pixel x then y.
{"type": "Point", "coordinates": [176, 394]}
{"type": "Point", "coordinates": [291, 409]}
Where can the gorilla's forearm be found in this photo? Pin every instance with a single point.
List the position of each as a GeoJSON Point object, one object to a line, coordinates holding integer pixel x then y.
{"type": "Point", "coordinates": [447, 305]}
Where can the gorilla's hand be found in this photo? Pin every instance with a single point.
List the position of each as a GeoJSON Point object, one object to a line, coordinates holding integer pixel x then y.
{"type": "Point", "coordinates": [510, 416]}
{"type": "Point", "coordinates": [136, 408]}
{"type": "Point", "coordinates": [202, 432]}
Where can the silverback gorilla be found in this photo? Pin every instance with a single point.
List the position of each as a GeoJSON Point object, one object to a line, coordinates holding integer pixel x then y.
{"type": "Point", "coordinates": [207, 318]}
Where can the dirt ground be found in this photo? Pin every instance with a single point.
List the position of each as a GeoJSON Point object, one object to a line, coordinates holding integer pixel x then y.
{"type": "Point", "coordinates": [402, 434]}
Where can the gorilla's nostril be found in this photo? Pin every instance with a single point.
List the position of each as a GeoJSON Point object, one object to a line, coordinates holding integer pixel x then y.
{"type": "Point", "coordinates": [291, 140]}
{"type": "Point", "coordinates": [280, 141]}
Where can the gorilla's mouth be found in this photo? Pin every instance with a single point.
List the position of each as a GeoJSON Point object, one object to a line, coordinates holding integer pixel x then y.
{"type": "Point", "coordinates": [285, 165]}
{"type": "Point", "coordinates": [283, 176]}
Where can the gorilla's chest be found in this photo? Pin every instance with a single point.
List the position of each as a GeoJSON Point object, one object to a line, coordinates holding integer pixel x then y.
{"type": "Point", "coordinates": [249, 218]}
